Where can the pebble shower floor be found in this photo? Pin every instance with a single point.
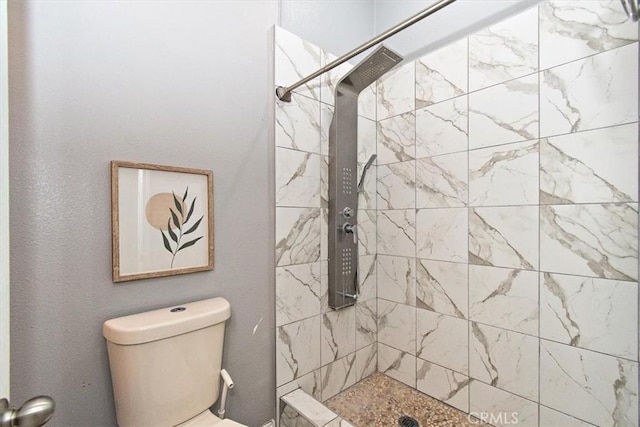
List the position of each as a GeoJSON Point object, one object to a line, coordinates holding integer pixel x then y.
{"type": "Point", "coordinates": [380, 401]}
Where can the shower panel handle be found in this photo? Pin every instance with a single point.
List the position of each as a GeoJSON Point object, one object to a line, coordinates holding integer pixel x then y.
{"type": "Point", "coordinates": [353, 229]}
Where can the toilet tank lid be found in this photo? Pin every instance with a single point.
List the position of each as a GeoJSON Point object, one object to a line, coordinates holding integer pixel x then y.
{"type": "Point", "coordinates": [166, 322]}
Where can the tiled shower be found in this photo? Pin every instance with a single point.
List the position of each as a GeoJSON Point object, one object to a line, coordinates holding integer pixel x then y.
{"type": "Point", "coordinates": [498, 231]}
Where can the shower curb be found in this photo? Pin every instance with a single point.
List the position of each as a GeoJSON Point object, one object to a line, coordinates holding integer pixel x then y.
{"type": "Point", "coordinates": [312, 411]}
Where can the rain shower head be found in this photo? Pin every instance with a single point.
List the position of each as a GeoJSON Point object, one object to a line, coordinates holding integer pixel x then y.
{"type": "Point", "coordinates": [369, 70]}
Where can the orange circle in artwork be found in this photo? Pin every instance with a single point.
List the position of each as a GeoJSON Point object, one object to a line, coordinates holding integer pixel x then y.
{"type": "Point", "coordinates": [157, 210]}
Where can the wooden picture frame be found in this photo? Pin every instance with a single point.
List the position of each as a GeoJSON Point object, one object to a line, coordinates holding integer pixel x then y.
{"type": "Point", "coordinates": [161, 220]}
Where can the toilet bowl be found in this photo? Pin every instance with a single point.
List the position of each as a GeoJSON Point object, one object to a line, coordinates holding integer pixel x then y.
{"type": "Point", "coordinates": [165, 365]}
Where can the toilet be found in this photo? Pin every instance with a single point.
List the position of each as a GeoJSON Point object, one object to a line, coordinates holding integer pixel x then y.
{"type": "Point", "coordinates": [165, 365]}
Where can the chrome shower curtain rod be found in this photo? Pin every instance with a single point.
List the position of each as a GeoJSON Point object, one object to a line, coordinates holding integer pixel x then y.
{"type": "Point", "coordinates": [284, 93]}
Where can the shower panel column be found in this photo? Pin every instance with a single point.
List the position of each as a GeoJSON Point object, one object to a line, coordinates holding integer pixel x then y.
{"type": "Point", "coordinates": [343, 201]}
{"type": "Point", "coordinates": [343, 179]}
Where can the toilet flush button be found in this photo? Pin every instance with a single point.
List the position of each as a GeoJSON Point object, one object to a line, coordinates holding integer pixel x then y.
{"type": "Point", "coordinates": [177, 309]}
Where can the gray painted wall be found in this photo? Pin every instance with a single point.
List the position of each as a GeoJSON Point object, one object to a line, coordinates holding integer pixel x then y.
{"type": "Point", "coordinates": [335, 26]}
{"type": "Point", "coordinates": [176, 83]}
{"type": "Point", "coordinates": [179, 83]}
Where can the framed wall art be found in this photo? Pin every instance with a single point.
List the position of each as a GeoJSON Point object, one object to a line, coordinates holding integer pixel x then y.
{"type": "Point", "coordinates": [161, 220]}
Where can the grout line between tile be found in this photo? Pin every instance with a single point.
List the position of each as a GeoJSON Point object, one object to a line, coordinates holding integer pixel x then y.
{"type": "Point", "coordinates": [539, 70]}
{"type": "Point", "coordinates": [539, 201]}
{"type": "Point", "coordinates": [415, 226]}
{"type": "Point", "coordinates": [377, 214]}
{"type": "Point", "coordinates": [638, 196]}
{"type": "Point", "coordinates": [468, 239]}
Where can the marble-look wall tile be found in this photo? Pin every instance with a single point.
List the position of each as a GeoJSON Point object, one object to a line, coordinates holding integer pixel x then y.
{"type": "Point", "coordinates": [331, 78]}
{"type": "Point", "coordinates": [324, 234]}
{"type": "Point", "coordinates": [367, 130]}
{"type": "Point", "coordinates": [442, 74]}
{"type": "Point", "coordinates": [297, 178]}
{"type": "Point", "coordinates": [595, 314]}
{"type": "Point", "coordinates": [367, 277]}
{"type": "Point", "coordinates": [298, 124]}
{"type": "Point", "coordinates": [593, 387]}
{"type": "Point", "coordinates": [397, 364]}
{"type": "Point", "coordinates": [574, 29]}
{"type": "Point", "coordinates": [501, 408]}
{"type": "Point", "coordinates": [295, 59]}
{"type": "Point", "coordinates": [549, 417]}
{"type": "Point", "coordinates": [443, 384]}
{"type": "Point", "coordinates": [367, 232]}
{"type": "Point", "coordinates": [366, 361]}
{"type": "Point", "coordinates": [442, 287]}
{"type": "Point", "coordinates": [442, 234]}
{"type": "Point", "coordinates": [573, 98]}
{"type": "Point", "coordinates": [297, 292]}
{"type": "Point", "coordinates": [297, 235]}
{"type": "Point", "coordinates": [338, 334]}
{"type": "Point", "coordinates": [397, 325]}
{"type": "Point", "coordinates": [367, 102]}
{"type": "Point", "coordinates": [443, 340]}
{"type": "Point", "coordinates": [338, 376]}
{"type": "Point", "coordinates": [504, 298]}
{"type": "Point", "coordinates": [324, 182]}
{"type": "Point", "coordinates": [309, 383]}
{"type": "Point", "coordinates": [504, 175]}
{"type": "Point", "coordinates": [442, 128]}
{"type": "Point", "coordinates": [289, 417]}
{"type": "Point", "coordinates": [324, 226]}
{"type": "Point", "coordinates": [590, 240]}
{"type": "Point", "coordinates": [297, 349]}
{"type": "Point", "coordinates": [492, 359]}
{"type": "Point", "coordinates": [324, 286]}
{"type": "Point", "coordinates": [442, 181]}
{"type": "Point", "coordinates": [504, 113]}
{"type": "Point", "coordinates": [326, 116]}
{"type": "Point", "coordinates": [397, 232]}
{"type": "Point", "coordinates": [366, 323]}
{"type": "Point", "coordinates": [504, 236]}
{"type": "Point", "coordinates": [367, 194]}
{"type": "Point", "coordinates": [397, 279]}
{"type": "Point", "coordinates": [397, 185]}
{"type": "Point", "coordinates": [504, 51]}
{"type": "Point", "coordinates": [316, 413]}
{"type": "Point", "coordinates": [397, 139]}
{"type": "Point", "coordinates": [427, 347]}
{"type": "Point", "coordinates": [396, 92]}
{"type": "Point", "coordinates": [597, 166]}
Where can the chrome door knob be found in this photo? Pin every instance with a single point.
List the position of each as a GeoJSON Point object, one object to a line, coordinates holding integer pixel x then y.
{"type": "Point", "coordinates": [33, 413]}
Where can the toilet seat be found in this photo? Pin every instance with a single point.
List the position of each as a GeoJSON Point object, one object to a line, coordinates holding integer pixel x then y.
{"type": "Point", "coordinates": [207, 419]}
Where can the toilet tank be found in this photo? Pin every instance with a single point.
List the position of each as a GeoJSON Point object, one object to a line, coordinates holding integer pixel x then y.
{"type": "Point", "coordinates": [165, 364]}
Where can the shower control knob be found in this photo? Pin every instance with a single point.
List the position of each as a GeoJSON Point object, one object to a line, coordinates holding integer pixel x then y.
{"type": "Point", "coordinates": [347, 212]}
{"type": "Point", "coordinates": [350, 228]}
